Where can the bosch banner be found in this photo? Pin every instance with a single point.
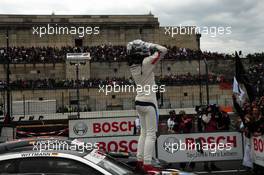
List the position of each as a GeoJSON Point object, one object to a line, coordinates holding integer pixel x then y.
{"type": "Point", "coordinates": [115, 144]}
{"type": "Point", "coordinates": [99, 127]}
{"type": "Point", "coordinates": [257, 147]}
{"type": "Point", "coordinates": [200, 147]}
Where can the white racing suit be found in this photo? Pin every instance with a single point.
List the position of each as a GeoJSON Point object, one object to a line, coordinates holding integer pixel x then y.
{"type": "Point", "coordinates": [146, 102]}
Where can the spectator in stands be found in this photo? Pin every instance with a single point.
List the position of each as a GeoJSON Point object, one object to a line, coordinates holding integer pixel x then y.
{"type": "Point", "coordinates": [101, 53]}
{"type": "Point", "coordinates": [251, 116]}
{"type": "Point", "coordinates": [104, 53]}
{"type": "Point", "coordinates": [256, 76]}
{"type": "Point", "coordinates": [256, 57]}
{"type": "Point", "coordinates": [174, 80]}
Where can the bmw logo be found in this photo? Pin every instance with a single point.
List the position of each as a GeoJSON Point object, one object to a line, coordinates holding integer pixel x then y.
{"type": "Point", "coordinates": [80, 128]}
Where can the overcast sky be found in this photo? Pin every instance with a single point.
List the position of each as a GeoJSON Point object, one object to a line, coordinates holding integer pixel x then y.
{"type": "Point", "coordinates": [245, 17]}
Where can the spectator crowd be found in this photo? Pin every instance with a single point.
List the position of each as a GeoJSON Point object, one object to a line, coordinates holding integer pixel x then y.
{"type": "Point", "coordinates": [250, 123]}
{"type": "Point", "coordinates": [209, 118]}
{"type": "Point", "coordinates": [56, 55]}
{"type": "Point", "coordinates": [102, 53]}
{"type": "Point", "coordinates": [189, 79]}
{"type": "Point", "coordinates": [172, 80]}
{"type": "Point", "coordinates": [256, 76]}
{"type": "Point", "coordinates": [256, 57]}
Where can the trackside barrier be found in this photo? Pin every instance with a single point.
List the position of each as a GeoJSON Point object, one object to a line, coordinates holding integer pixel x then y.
{"type": "Point", "coordinates": [97, 127]}
{"type": "Point", "coordinates": [198, 147]}
{"type": "Point", "coordinates": [257, 149]}
{"type": "Point", "coordinates": [116, 134]}
{"type": "Point", "coordinates": [115, 144]}
{"type": "Point", "coordinates": [7, 134]}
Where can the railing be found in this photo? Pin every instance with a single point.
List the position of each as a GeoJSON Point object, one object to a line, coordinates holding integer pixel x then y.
{"type": "Point", "coordinates": [93, 100]}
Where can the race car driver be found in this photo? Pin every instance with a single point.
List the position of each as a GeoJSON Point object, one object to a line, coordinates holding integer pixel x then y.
{"type": "Point", "coordinates": [143, 58]}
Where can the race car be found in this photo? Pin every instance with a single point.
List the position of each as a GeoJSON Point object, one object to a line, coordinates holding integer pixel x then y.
{"type": "Point", "coordinates": [60, 156]}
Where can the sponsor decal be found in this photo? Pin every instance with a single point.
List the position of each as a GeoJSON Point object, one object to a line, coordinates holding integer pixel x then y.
{"type": "Point", "coordinates": [95, 156]}
{"type": "Point", "coordinates": [39, 154]}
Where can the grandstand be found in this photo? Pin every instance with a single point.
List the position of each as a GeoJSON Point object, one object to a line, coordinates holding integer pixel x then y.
{"type": "Point", "coordinates": [114, 29]}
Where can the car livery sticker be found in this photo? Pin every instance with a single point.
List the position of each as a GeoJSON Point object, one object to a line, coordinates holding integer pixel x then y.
{"type": "Point", "coordinates": [77, 142]}
{"type": "Point", "coordinates": [95, 156]}
{"type": "Point", "coordinates": [39, 154]}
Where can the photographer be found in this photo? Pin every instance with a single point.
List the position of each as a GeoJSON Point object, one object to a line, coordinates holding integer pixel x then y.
{"type": "Point", "coordinates": [185, 126]}
{"type": "Point", "coordinates": [185, 123]}
{"type": "Point", "coordinates": [173, 122]}
{"type": "Point", "coordinates": [200, 111]}
{"type": "Point", "coordinates": [223, 121]}
{"type": "Point", "coordinates": [209, 119]}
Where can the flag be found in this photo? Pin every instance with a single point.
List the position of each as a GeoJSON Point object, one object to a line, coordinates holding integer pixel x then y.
{"type": "Point", "coordinates": [242, 78]}
{"type": "Point", "coordinates": [238, 90]}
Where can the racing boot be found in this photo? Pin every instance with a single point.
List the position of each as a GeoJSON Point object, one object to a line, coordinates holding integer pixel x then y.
{"type": "Point", "coordinates": [151, 170]}
{"type": "Point", "coordinates": [139, 167]}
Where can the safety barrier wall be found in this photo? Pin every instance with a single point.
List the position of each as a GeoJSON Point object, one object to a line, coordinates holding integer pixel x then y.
{"type": "Point", "coordinates": [257, 150]}
{"type": "Point", "coordinates": [116, 134]}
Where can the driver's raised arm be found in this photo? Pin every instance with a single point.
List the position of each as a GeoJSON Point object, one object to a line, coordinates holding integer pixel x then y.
{"type": "Point", "coordinates": [159, 53]}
